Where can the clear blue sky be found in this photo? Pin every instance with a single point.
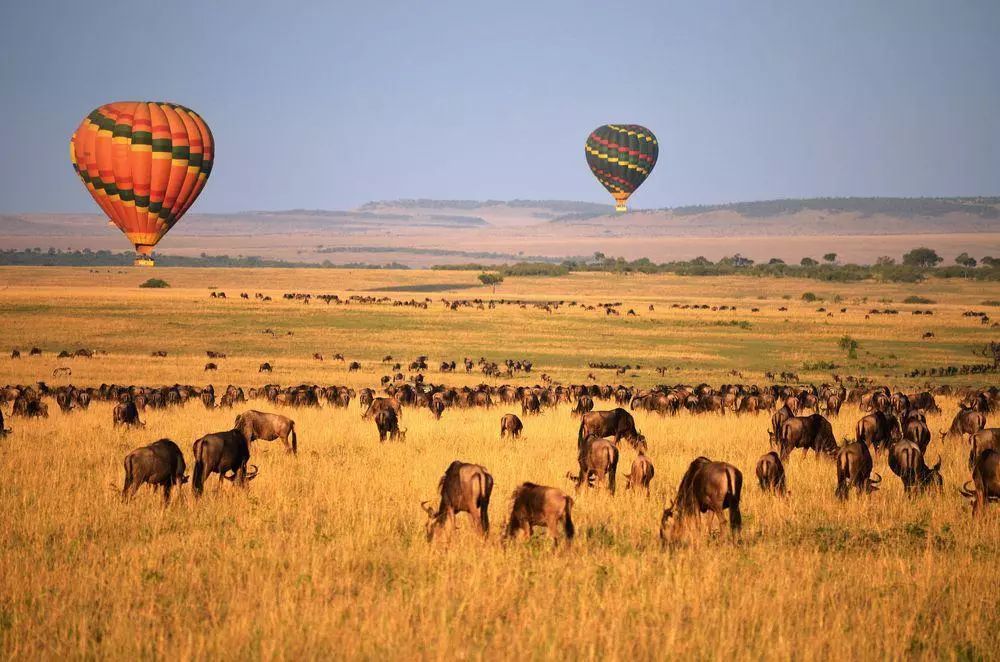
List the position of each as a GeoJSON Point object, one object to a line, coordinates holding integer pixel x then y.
{"type": "Point", "coordinates": [331, 104]}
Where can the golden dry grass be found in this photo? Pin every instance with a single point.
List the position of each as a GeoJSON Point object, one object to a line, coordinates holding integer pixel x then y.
{"type": "Point", "coordinates": [324, 555]}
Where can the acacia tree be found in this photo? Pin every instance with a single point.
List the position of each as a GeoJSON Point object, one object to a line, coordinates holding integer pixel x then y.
{"type": "Point", "coordinates": [491, 280]}
{"type": "Point", "coordinates": [830, 257]}
{"type": "Point", "coordinates": [922, 257]}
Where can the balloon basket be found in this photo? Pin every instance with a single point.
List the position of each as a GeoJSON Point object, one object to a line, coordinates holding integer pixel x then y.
{"type": "Point", "coordinates": [621, 207]}
{"type": "Point", "coordinates": [143, 261]}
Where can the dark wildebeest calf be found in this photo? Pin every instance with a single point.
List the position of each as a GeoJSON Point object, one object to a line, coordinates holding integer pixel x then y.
{"type": "Point", "coordinates": [641, 473]}
{"type": "Point", "coordinates": [985, 481]}
{"type": "Point", "coordinates": [126, 413]}
{"type": "Point", "coordinates": [268, 427]}
{"type": "Point", "coordinates": [906, 460]}
{"type": "Point", "coordinates": [161, 464]}
{"type": "Point", "coordinates": [464, 488]}
{"type": "Point", "coordinates": [537, 505]}
{"type": "Point", "coordinates": [598, 461]}
{"type": "Point", "coordinates": [806, 432]}
{"type": "Point", "coordinates": [616, 423]}
{"type": "Point", "coordinates": [854, 469]}
{"type": "Point", "coordinates": [771, 474]}
{"type": "Point", "coordinates": [510, 426]}
{"type": "Point", "coordinates": [706, 486]}
{"type": "Point", "coordinates": [221, 453]}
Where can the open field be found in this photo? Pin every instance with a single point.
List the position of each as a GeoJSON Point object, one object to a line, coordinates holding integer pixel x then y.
{"type": "Point", "coordinates": [324, 555]}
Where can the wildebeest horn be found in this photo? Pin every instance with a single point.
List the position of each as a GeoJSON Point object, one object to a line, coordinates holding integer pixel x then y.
{"type": "Point", "coordinates": [256, 470]}
{"type": "Point", "coordinates": [427, 509]}
{"type": "Point", "coordinates": [879, 478]}
{"type": "Point", "coordinates": [966, 492]}
{"type": "Point", "coordinates": [943, 433]}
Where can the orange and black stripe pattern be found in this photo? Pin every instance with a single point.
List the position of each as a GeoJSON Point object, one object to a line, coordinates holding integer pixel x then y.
{"type": "Point", "coordinates": [621, 156]}
{"type": "Point", "coordinates": [144, 163]}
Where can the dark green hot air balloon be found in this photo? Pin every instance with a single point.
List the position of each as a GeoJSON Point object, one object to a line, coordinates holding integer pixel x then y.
{"type": "Point", "coordinates": [621, 156]}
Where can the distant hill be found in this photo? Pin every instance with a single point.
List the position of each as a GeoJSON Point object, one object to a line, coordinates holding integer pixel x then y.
{"type": "Point", "coordinates": [903, 207]}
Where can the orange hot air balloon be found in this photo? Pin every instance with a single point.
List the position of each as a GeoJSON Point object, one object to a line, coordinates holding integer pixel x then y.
{"type": "Point", "coordinates": [145, 163]}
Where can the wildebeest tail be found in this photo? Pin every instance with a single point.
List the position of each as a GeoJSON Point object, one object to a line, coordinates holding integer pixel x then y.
{"type": "Point", "coordinates": [734, 488]}
{"type": "Point", "coordinates": [295, 440]}
{"type": "Point", "coordinates": [198, 475]}
{"type": "Point", "coordinates": [483, 500]}
{"type": "Point", "coordinates": [843, 475]}
{"type": "Point", "coordinates": [580, 435]}
{"type": "Point", "coordinates": [129, 475]}
{"type": "Point", "coordinates": [568, 519]}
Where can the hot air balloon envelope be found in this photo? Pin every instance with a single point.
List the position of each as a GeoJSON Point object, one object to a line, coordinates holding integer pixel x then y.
{"type": "Point", "coordinates": [621, 156]}
{"type": "Point", "coordinates": [145, 163]}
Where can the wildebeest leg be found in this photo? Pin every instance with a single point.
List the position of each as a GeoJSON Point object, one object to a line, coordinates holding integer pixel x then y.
{"type": "Point", "coordinates": [241, 476]}
{"type": "Point", "coordinates": [721, 518]}
{"type": "Point", "coordinates": [612, 478]}
{"type": "Point", "coordinates": [166, 492]}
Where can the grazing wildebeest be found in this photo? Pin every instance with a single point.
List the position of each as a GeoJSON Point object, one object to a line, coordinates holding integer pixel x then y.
{"type": "Point", "coordinates": [771, 474]}
{"type": "Point", "coordinates": [221, 453]}
{"type": "Point", "coordinates": [616, 423]}
{"type": "Point", "coordinates": [806, 432]}
{"type": "Point", "coordinates": [584, 404]}
{"type": "Point", "coordinates": [598, 460]}
{"type": "Point", "coordinates": [265, 367]}
{"type": "Point", "coordinates": [382, 404]}
{"type": "Point", "coordinates": [208, 399]}
{"type": "Point", "coordinates": [987, 438]}
{"type": "Point", "coordinates": [537, 505]}
{"type": "Point", "coordinates": [706, 486]}
{"type": "Point", "coordinates": [161, 464]}
{"type": "Point", "coordinates": [906, 460]}
{"type": "Point", "coordinates": [778, 419]}
{"type": "Point", "coordinates": [530, 404]}
{"type": "Point", "coordinates": [65, 401]}
{"type": "Point", "coordinates": [126, 413]}
{"type": "Point", "coordinates": [15, 353]}
{"type": "Point", "coordinates": [464, 488]}
{"type": "Point", "coordinates": [854, 469]}
{"type": "Point", "coordinates": [211, 366]}
{"type": "Point", "coordinates": [268, 427]}
{"type": "Point", "coordinates": [915, 429]}
{"type": "Point", "coordinates": [641, 473]}
{"type": "Point", "coordinates": [437, 407]}
{"type": "Point", "coordinates": [966, 421]}
{"type": "Point", "coordinates": [354, 366]}
{"type": "Point", "coordinates": [388, 426]}
{"type": "Point", "coordinates": [985, 481]}
{"type": "Point", "coordinates": [880, 429]}
{"type": "Point", "coordinates": [510, 426]}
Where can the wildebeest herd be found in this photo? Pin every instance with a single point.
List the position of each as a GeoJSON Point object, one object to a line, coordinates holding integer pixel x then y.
{"type": "Point", "coordinates": [892, 425]}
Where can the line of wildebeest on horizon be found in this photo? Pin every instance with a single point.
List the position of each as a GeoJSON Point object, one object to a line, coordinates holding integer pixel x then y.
{"type": "Point", "coordinates": [892, 423]}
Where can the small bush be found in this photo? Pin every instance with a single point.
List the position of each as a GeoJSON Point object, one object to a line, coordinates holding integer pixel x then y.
{"type": "Point", "coordinates": [155, 283]}
{"type": "Point", "coordinates": [819, 365]}
{"type": "Point", "coordinates": [915, 299]}
{"type": "Point", "coordinates": [809, 296]}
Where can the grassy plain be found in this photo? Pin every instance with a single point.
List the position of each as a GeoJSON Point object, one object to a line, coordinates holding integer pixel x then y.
{"type": "Point", "coordinates": [324, 555]}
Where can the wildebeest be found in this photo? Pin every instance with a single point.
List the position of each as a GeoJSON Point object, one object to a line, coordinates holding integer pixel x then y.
{"type": "Point", "coordinates": [598, 460]}
{"type": "Point", "coordinates": [381, 404]}
{"type": "Point", "coordinates": [211, 366]}
{"type": "Point", "coordinates": [966, 421]}
{"type": "Point", "coordinates": [268, 427]}
{"type": "Point", "coordinates": [354, 366]}
{"type": "Point", "coordinates": [706, 486]}
{"type": "Point", "coordinates": [641, 473]}
{"type": "Point", "coordinates": [126, 413]}
{"type": "Point", "coordinates": [771, 474]}
{"type": "Point", "coordinates": [221, 453]}
{"type": "Point", "coordinates": [388, 426]}
{"type": "Point", "coordinates": [854, 469]}
{"type": "Point", "coordinates": [15, 353]}
{"type": "Point", "coordinates": [437, 406]}
{"type": "Point", "coordinates": [265, 367]}
{"type": "Point", "coordinates": [806, 432]}
{"type": "Point", "coordinates": [879, 428]}
{"type": "Point", "coordinates": [915, 429]}
{"type": "Point", "coordinates": [779, 417]}
{"type": "Point", "coordinates": [161, 464]}
{"type": "Point", "coordinates": [538, 505]}
{"type": "Point", "coordinates": [584, 404]}
{"type": "Point", "coordinates": [987, 438]}
{"type": "Point", "coordinates": [985, 481]}
{"type": "Point", "coordinates": [530, 404]}
{"type": "Point", "coordinates": [616, 423]}
{"type": "Point", "coordinates": [510, 426]}
{"type": "Point", "coordinates": [464, 488]}
{"type": "Point", "coordinates": [906, 460]}
{"type": "Point", "coordinates": [3, 430]}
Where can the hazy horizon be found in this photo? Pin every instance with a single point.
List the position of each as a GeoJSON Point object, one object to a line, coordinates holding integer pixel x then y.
{"type": "Point", "coordinates": [324, 107]}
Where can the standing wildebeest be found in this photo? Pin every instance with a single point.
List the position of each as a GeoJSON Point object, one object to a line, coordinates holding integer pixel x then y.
{"type": "Point", "coordinates": [381, 404]}
{"type": "Point", "coordinates": [221, 453]}
{"type": "Point", "coordinates": [966, 421]}
{"type": "Point", "coordinates": [388, 426]}
{"type": "Point", "coordinates": [879, 428]}
{"type": "Point", "coordinates": [771, 474]}
{"type": "Point", "coordinates": [616, 423]}
{"type": "Point", "coordinates": [706, 486]}
{"type": "Point", "coordinates": [537, 505]}
{"type": "Point", "coordinates": [985, 481]}
{"type": "Point", "coordinates": [268, 427]}
{"type": "Point", "coordinates": [906, 460]}
{"type": "Point", "coordinates": [510, 426]}
{"type": "Point", "coordinates": [3, 430]}
{"type": "Point", "coordinates": [641, 473]}
{"type": "Point", "coordinates": [915, 429]}
{"type": "Point", "coordinates": [854, 469]}
{"type": "Point", "coordinates": [806, 432]}
{"type": "Point", "coordinates": [987, 438]}
{"type": "Point", "coordinates": [161, 464]}
{"type": "Point", "coordinates": [778, 419]}
{"type": "Point", "coordinates": [210, 366]}
{"type": "Point", "coordinates": [437, 406]}
{"type": "Point", "coordinates": [598, 461]}
{"type": "Point", "coordinates": [265, 367]}
{"type": "Point", "coordinates": [464, 488]}
{"type": "Point", "coordinates": [126, 413]}
{"type": "Point", "coordinates": [584, 404]}
{"type": "Point", "coordinates": [530, 404]}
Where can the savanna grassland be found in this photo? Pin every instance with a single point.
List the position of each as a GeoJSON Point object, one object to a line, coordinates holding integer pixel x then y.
{"type": "Point", "coordinates": [324, 554]}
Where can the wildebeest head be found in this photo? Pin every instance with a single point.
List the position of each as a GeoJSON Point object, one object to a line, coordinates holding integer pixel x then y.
{"type": "Point", "coordinates": [431, 527]}
{"type": "Point", "coordinates": [668, 514]}
{"type": "Point", "coordinates": [872, 483]}
{"type": "Point", "coordinates": [250, 474]}
{"type": "Point", "coordinates": [639, 442]}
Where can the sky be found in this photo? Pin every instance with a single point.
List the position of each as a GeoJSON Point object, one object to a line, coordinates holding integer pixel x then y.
{"type": "Point", "coordinates": [327, 105]}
